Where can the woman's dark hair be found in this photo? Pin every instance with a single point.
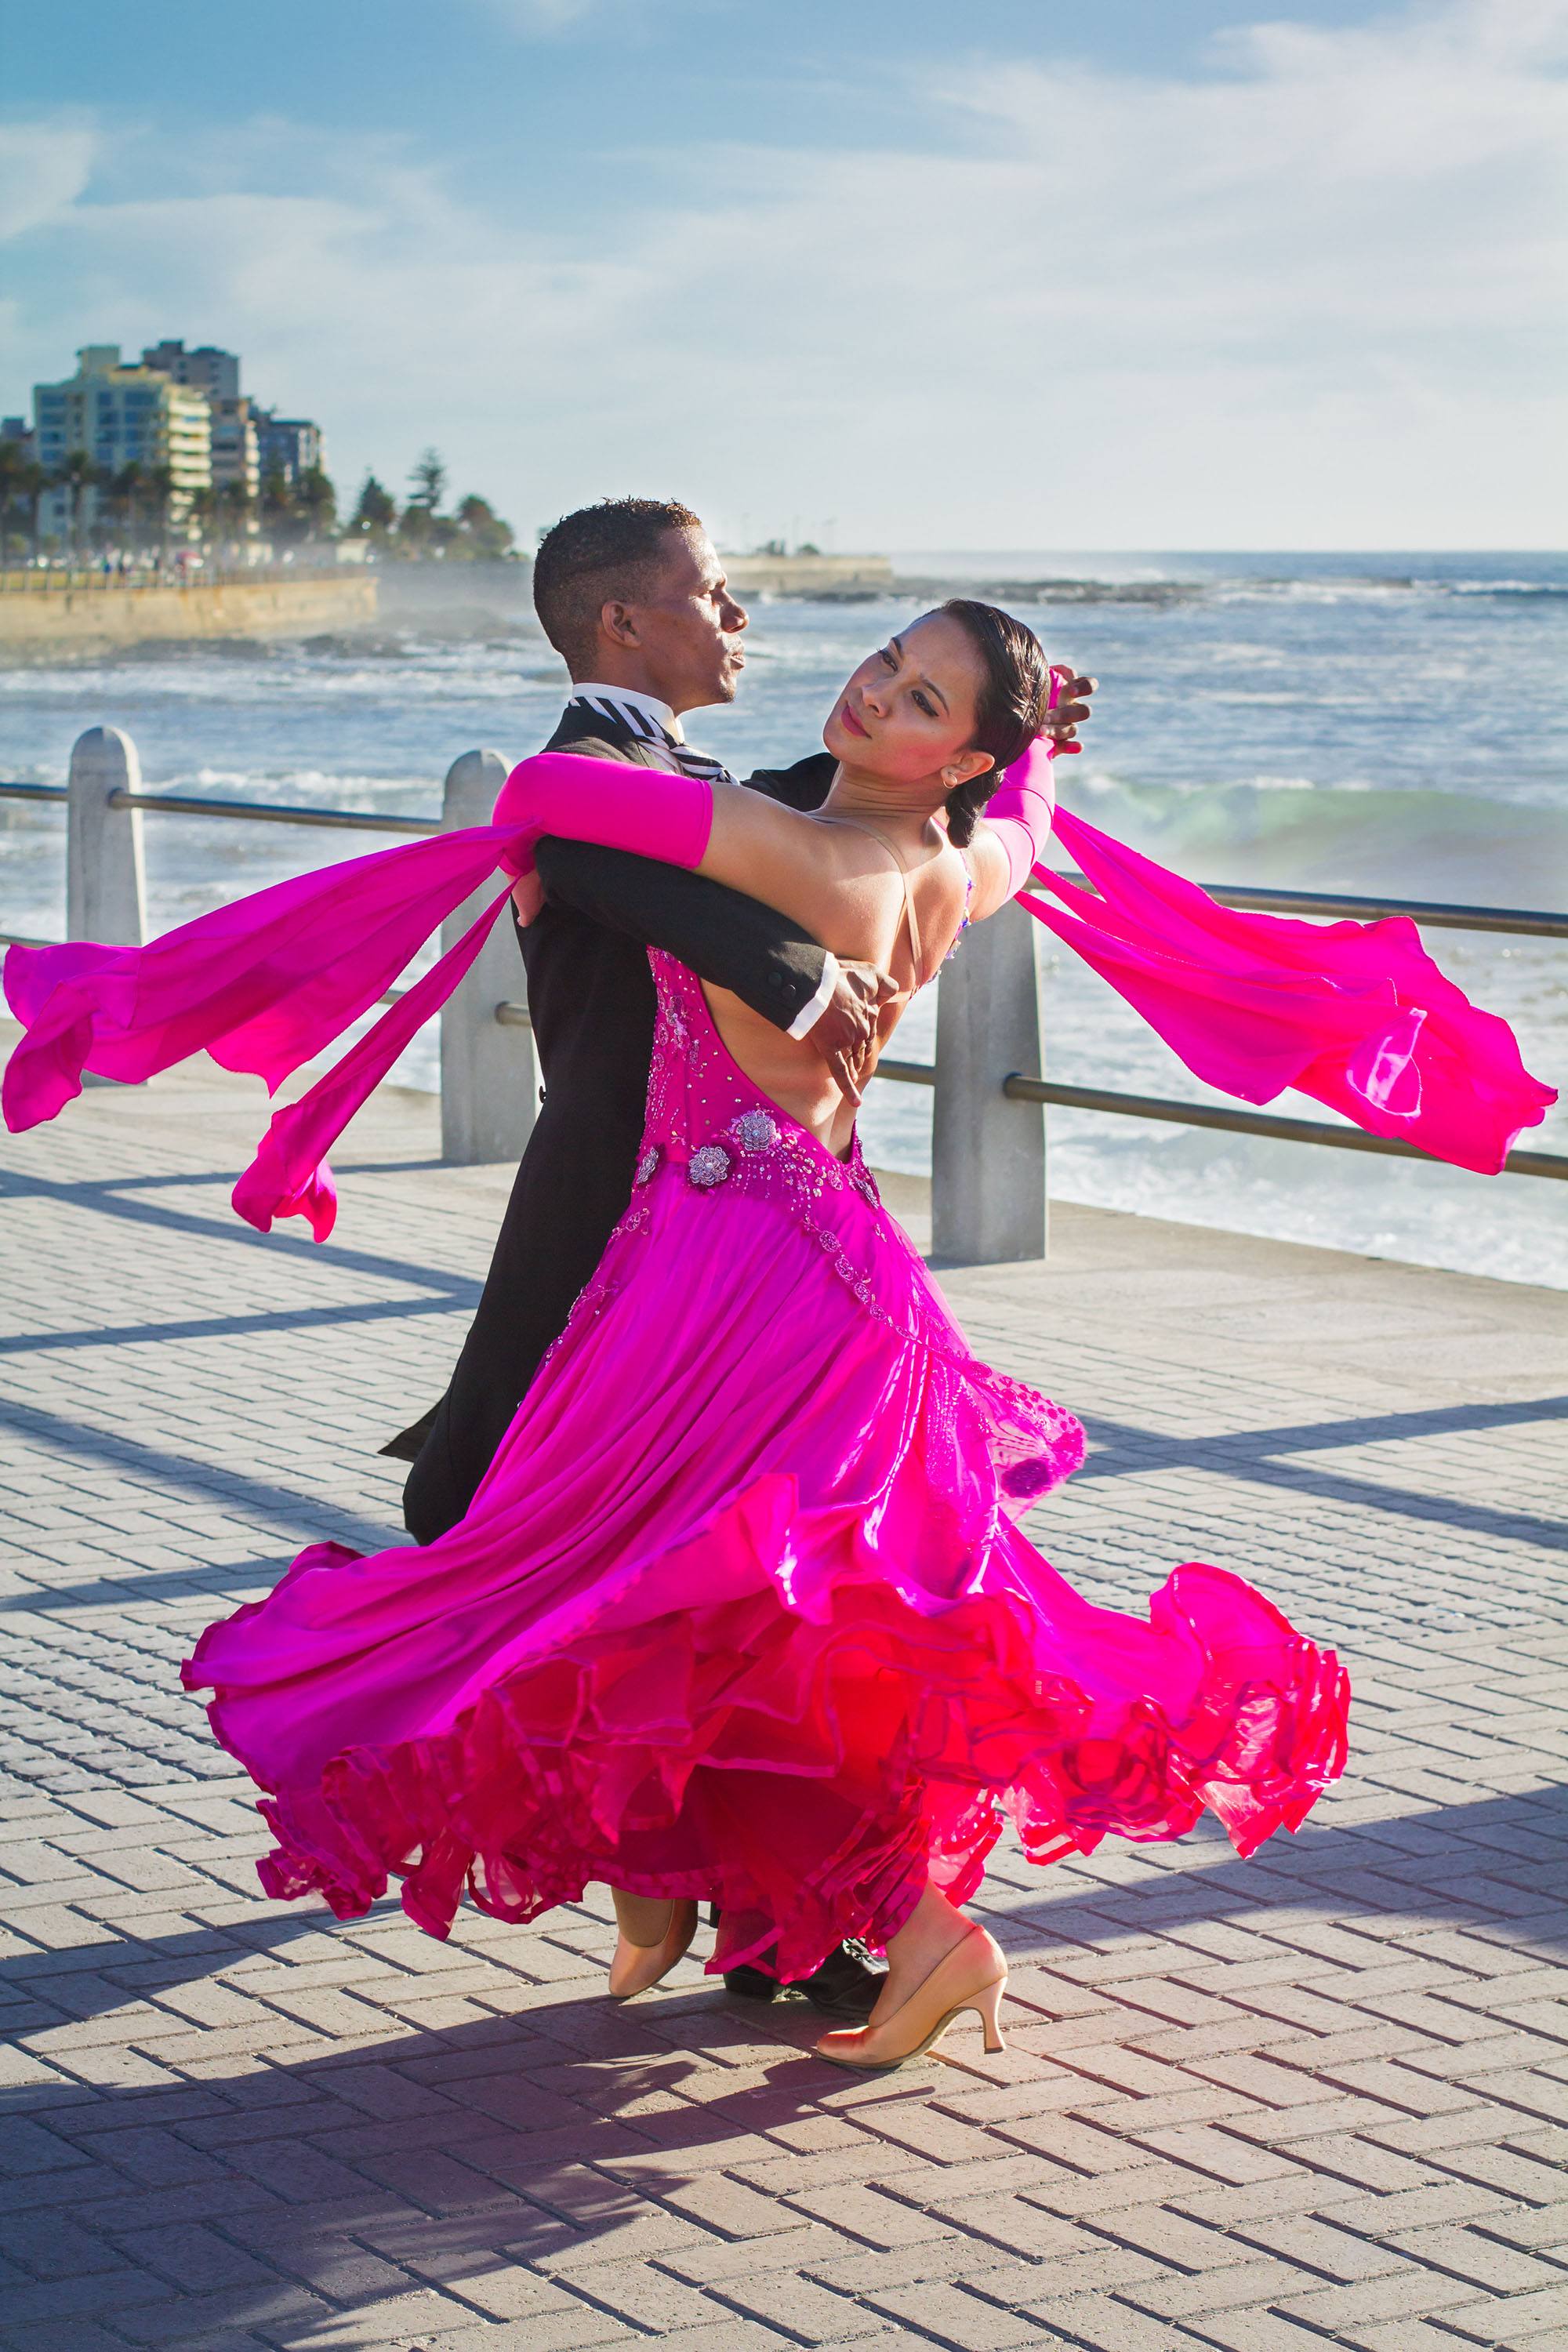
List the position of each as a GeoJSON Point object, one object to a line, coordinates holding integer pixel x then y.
{"type": "Point", "coordinates": [1010, 710]}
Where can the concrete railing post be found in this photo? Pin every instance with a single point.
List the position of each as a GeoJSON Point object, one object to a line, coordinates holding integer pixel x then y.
{"type": "Point", "coordinates": [988, 1154]}
{"type": "Point", "coordinates": [490, 1078]}
{"type": "Point", "coordinates": [105, 893]}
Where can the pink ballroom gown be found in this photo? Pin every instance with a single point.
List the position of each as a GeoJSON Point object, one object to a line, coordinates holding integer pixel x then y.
{"type": "Point", "coordinates": [741, 1611]}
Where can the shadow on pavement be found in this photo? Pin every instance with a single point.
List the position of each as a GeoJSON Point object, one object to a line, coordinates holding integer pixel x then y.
{"type": "Point", "coordinates": [498, 2159]}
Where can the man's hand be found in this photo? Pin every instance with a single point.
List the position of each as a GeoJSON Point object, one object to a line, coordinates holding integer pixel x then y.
{"type": "Point", "coordinates": [846, 1034]}
{"type": "Point", "coordinates": [1071, 711]}
{"type": "Point", "coordinates": [528, 897]}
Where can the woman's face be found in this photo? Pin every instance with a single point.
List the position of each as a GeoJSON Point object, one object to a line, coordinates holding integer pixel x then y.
{"type": "Point", "coordinates": [909, 713]}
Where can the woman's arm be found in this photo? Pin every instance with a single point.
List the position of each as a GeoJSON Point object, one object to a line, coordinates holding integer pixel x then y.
{"type": "Point", "coordinates": [725, 832]}
{"type": "Point", "coordinates": [1014, 830]}
{"type": "Point", "coordinates": [742, 838]}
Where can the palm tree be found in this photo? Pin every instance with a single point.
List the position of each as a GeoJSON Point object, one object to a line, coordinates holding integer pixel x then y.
{"type": "Point", "coordinates": [160, 487]}
{"type": "Point", "coordinates": [316, 501]}
{"type": "Point", "coordinates": [13, 464]}
{"type": "Point", "coordinates": [76, 475]}
{"type": "Point", "coordinates": [32, 481]}
{"type": "Point", "coordinates": [202, 511]}
{"type": "Point", "coordinates": [277, 504]}
{"type": "Point", "coordinates": [234, 506]}
{"type": "Point", "coordinates": [125, 492]}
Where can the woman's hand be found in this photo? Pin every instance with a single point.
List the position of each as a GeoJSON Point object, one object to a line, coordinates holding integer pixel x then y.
{"type": "Point", "coordinates": [1071, 709]}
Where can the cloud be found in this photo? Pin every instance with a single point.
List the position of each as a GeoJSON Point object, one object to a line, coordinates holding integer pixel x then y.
{"type": "Point", "coordinates": [533, 18]}
{"type": "Point", "coordinates": [44, 168]}
{"type": "Point", "coordinates": [1297, 299]}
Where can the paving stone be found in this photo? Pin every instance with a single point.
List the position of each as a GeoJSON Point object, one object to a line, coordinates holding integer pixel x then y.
{"type": "Point", "coordinates": [955, 2317]}
{"type": "Point", "coordinates": [564, 2332]}
{"type": "Point", "coordinates": [1512, 2318]}
{"type": "Point", "coordinates": [1100, 2322]}
{"type": "Point", "coordinates": [1317, 2097]}
{"type": "Point", "coordinates": [802, 2309]}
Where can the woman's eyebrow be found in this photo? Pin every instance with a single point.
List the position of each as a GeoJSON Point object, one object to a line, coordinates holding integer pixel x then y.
{"type": "Point", "coordinates": [897, 646]}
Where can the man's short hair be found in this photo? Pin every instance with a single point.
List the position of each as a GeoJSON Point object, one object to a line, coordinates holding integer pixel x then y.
{"type": "Point", "coordinates": [603, 552]}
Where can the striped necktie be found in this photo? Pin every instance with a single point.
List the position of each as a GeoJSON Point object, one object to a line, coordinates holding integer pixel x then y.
{"type": "Point", "coordinates": [687, 758]}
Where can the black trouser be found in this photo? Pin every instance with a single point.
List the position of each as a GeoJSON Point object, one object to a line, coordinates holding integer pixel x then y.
{"type": "Point", "coordinates": [571, 1192]}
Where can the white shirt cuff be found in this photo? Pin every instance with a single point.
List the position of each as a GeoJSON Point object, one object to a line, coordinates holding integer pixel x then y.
{"type": "Point", "coordinates": [806, 1019]}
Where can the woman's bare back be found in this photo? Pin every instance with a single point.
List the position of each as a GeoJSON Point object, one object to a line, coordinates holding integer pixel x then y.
{"type": "Point", "coordinates": [867, 914]}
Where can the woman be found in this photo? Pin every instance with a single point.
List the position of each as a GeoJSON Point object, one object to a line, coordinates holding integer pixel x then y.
{"type": "Point", "coordinates": [740, 1612]}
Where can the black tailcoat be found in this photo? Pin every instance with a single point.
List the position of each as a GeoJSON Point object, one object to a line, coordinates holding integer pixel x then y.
{"type": "Point", "coordinates": [591, 1000]}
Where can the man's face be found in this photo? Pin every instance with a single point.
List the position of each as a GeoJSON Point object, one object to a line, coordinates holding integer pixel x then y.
{"type": "Point", "coordinates": [689, 628]}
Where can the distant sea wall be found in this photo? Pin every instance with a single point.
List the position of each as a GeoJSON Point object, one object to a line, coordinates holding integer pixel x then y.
{"type": "Point", "coordinates": [82, 621]}
{"type": "Point", "coordinates": [806, 575]}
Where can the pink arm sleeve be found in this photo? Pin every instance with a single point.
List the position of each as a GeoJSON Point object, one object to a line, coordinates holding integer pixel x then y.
{"type": "Point", "coordinates": [643, 809]}
{"type": "Point", "coordinates": [1021, 810]}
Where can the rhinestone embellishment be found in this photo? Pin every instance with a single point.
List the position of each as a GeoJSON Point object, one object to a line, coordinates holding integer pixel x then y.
{"type": "Point", "coordinates": [755, 1131]}
{"type": "Point", "coordinates": [1034, 1477]}
{"type": "Point", "coordinates": [647, 1165]}
{"type": "Point", "coordinates": [708, 1164]}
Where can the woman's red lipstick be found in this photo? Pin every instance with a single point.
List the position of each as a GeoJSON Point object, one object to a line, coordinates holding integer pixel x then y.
{"type": "Point", "coordinates": [851, 722]}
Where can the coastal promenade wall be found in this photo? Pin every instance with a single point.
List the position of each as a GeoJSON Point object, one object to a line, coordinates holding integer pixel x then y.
{"type": "Point", "coordinates": [806, 575]}
{"type": "Point", "coordinates": [89, 614]}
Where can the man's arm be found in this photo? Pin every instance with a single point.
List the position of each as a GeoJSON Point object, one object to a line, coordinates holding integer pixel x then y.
{"type": "Point", "coordinates": [736, 942]}
{"type": "Point", "coordinates": [804, 785]}
{"type": "Point", "coordinates": [769, 963]}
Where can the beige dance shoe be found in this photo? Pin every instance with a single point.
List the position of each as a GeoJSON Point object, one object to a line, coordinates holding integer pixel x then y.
{"type": "Point", "coordinates": [639, 1964]}
{"type": "Point", "coordinates": [973, 1975]}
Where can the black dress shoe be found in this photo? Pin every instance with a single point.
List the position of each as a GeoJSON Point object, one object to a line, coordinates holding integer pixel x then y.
{"type": "Point", "coordinates": [846, 1985]}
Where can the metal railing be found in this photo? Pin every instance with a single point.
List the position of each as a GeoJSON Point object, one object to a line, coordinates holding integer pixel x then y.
{"type": "Point", "coordinates": [60, 579]}
{"type": "Point", "coordinates": [988, 1201]}
{"type": "Point", "coordinates": [1438, 915]}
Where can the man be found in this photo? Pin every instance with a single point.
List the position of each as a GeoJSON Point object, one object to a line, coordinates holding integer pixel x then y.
{"type": "Point", "coordinates": [633, 597]}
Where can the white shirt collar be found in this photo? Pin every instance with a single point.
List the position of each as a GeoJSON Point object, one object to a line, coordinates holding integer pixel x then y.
{"type": "Point", "coordinates": [648, 704]}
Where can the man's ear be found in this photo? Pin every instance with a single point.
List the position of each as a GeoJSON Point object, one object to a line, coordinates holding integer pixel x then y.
{"type": "Point", "coordinates": [617, 622]}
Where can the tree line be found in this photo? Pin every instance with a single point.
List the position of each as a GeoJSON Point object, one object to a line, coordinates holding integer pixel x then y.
{"type": "Point", "coordinates": [131, 512]}
{"type": "Point", "coordinates": [472, 532]}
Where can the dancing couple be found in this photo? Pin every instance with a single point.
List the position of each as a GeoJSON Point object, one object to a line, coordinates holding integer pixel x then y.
{"type": "Point", "coordinates": [736, 1609]}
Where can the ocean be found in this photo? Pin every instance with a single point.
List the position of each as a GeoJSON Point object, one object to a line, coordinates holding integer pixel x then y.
{"type": "Point", "coordinates": [1386, 723]}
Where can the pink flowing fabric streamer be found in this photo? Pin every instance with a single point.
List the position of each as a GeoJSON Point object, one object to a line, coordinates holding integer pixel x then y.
{"type": "Point", "coordinates": [269, 983]}
{"type": "Point", "coordinates": [289, 1176]}
{"type": "Point", "coordinates": [1355, 1015]}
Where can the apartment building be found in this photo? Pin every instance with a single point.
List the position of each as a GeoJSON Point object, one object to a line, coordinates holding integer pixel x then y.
{"type": "Point", "coordinates": [289, 446]}
{"type": "Point", "coordinates": [113, 413]}
{"type": "Point", "coordinates": [236, 449]}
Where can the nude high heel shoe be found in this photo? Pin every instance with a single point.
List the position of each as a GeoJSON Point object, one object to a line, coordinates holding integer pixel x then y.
{"type": "Point", "coordinates": [639, 1965]}
{"type": "Point", "coordinates": [972, 1976]}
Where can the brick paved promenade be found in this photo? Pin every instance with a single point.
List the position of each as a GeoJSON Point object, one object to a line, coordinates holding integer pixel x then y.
{"type": "Point", "coordinates": [1321, 2097]}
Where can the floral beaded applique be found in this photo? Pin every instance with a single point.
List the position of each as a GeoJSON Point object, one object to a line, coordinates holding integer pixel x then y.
{"type": "Point", "coordinates": [963, 925]}
{"type": "Point", "coordinates": [711, 1125]}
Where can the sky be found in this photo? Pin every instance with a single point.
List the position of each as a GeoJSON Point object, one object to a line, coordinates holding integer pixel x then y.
{"type": "Point", "coordinates": [887, 274]}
